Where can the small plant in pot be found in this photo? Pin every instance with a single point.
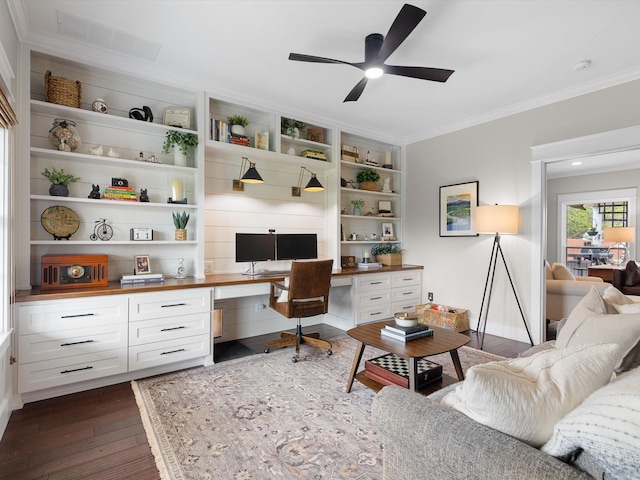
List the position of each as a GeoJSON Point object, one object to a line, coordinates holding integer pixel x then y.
{"type": "Point", "coordinates": [180, 221]}
{"type": "Point", "coordinates": [182, 142]}
{"type": "Point", "coordinates": [368, 179]}
{"type": "Point", "coordinates": [387, 253]}
{"type": "Point", "coordinates": [59, 181]}
{"type": "Point", "coordinates": [357, 206]}
{"type": "Point", "coordinates": [237, 123]}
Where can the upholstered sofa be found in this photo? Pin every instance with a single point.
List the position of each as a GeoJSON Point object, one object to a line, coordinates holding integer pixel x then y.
{"type": "Point", "coordinates": [436, 438]}
{"type": "Point", "coordinates": [564, 290]}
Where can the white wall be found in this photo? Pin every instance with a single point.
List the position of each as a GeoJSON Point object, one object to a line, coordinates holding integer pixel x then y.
{"type": "Point", "coordinates": [498, 155]}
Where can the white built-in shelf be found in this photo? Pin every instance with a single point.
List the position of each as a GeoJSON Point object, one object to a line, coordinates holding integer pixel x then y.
{"type": "Point", "coordinates": [112, 242]}
{"type": "Point", "coordinates": [107, 120]}
{"type": "Point", "coordinates": [113, 203]}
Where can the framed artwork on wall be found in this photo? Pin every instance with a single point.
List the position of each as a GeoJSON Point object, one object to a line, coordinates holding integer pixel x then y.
{"type": "Point", "coordinates": [458, 205]}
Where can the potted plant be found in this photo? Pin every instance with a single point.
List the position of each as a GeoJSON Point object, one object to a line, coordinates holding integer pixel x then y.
{"type": "Point", "coordinates": [59, 181]}
{"type": "Point", "coordinates": [237, 123]}
{"type": "Point", "coordinates": [387, 253]}
{"type": "Point", "coordinates": [357, 206]}
{"type": "Point", "coordinates": [294, 128]}
{"type": "Point", "coordinates": [180, 221]}
{"type": "Point", "coordinates": [181, 142]}
{"type": "Point", "coordinates": [368, 179]}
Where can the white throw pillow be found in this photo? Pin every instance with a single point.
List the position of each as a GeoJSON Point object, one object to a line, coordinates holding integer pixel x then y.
{"type": "Point", "coordinates": [590, 322]}
{"type": "Point", "coordinates": [561, 272]}
{"type": "Point", "coordinates": [606, 426]}
{"type": "Point", "coordinates": [525, 397]}
{"type": "Point", "coordinates": [284, 294]}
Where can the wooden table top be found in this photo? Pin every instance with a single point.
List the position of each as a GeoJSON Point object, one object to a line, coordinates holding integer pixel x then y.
{"type": "Point", "coordinates": [441, 341]}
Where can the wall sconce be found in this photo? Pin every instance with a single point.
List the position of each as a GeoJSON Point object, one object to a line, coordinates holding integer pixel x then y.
{"type": "Point", "coordinates": [250, 176]}
{"type": "Point", "coordinates": [314, 184]}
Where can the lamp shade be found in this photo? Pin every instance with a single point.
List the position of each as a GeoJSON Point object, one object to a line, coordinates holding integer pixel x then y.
{"type": "Point", "coordinates": [620, 234]}
{"type": "Point", "coordinates": [497, 219]}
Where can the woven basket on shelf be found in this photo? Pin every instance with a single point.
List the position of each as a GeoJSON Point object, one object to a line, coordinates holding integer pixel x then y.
{"type": "Point", "coordinates": [371, 186]}
{"type": "Point", "coordinates": [62, 91]}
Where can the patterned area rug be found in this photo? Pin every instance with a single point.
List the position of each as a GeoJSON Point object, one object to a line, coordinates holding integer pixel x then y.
{"type": "Point", "coordinates": [264, 417]}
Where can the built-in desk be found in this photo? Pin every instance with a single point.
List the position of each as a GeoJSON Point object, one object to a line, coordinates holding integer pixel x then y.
{"type": "Point", "coordinates": [69, 341]}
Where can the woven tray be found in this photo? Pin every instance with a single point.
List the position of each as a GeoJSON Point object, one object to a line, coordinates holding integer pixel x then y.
{"type": "Point", "coordinates": [62, 91]}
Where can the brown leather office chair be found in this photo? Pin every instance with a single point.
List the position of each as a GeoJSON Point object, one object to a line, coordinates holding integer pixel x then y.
{"type": "Point", "coordinates": [306, 295]}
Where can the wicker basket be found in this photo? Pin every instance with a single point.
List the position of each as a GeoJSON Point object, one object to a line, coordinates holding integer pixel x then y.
{"type": "Point", "coordinates": [371, 186]}
{"type": "Point", "coordinates": [390, 259]}
{"type": "Point", "coordinates": [62, 91]}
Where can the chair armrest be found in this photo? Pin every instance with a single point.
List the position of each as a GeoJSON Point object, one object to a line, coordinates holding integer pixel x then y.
{"type": "Point", "coordinates": [427, 440]}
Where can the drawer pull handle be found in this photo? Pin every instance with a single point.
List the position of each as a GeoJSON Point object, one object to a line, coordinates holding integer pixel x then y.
{"type": "Point", "coordinates": [173, 351]}
{"type": "Point", "coordinates": [171, 328]}
{"type": "Point", "coordinates": [173, 305]}
{"type": "Point", "coordinates": [75, 343]}
{"type": "Point", "coordinates": [79, 315]}
{"type": "Point", "coordinates": [375, 298]}
{"type": "Point", "coordinates": [77, 369]}
{"type": "Point", "coordinates": [375, 313]}
{"type": "Point", "coordinates": [375, 283]}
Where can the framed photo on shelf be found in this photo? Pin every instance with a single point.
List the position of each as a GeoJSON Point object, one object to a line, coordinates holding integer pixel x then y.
{"type": "Point", "coordinates": [177, 117]}
{"type": "Point", "coordinates": [458, 204]}
{"type": "Point", "coordinates": [262, 140]}
{"type": "Point", "coordinates": [387, 231]}
{"type": "Point", "coordinates": [142, 264]}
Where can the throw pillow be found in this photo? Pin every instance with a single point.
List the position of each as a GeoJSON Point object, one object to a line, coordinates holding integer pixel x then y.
{"type": "Point", "coordinates": [590, 322]}
{"type": "Point", "coordinates": [561, 272]}
{"type": "Point", "coordinates": [605, 426]}
{"type": "Point", "coordinates": [632, 274]}
{"type": "Point", "coordinates": [284, 294]}
{"type": "Point", "coordinates": [525, 397]}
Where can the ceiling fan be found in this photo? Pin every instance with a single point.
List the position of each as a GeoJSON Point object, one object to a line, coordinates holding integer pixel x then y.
{"type": "Point", "coordinates": [378, 48]}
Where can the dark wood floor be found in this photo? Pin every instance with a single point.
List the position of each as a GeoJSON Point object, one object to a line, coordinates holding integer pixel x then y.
{"type": "Point", "coordinates": [99, 434]}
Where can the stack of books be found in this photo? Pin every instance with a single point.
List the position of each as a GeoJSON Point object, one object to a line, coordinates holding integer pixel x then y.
{"type": "Point", "coordinates": [143, 279]}
{"type": "Point", "coordinates": [406, 334]}
{"type": "Point", "coordinates": [120, 193]}
{"type": "Point", "coordinates": [239, 140]}
{"type": "Point", "coordinates": [314, 154]}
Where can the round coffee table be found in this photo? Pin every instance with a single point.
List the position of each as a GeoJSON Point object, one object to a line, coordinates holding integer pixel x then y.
{"type": "Point", "coordinates": [441, 341]}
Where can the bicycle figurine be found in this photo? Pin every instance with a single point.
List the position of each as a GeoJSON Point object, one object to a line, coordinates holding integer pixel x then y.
{"type": "Point", "coordinates": [101, 231]}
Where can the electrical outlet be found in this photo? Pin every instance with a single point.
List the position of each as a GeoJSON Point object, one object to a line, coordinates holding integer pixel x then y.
{"type": "Point", "coordinates": [208, 266]}
{"type": "Point", "coordinates": [430, 296]}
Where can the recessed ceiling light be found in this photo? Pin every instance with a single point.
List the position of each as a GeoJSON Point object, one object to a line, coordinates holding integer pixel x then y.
{"type": "Point", "coordinates": [584, 64]}
{"type": "Point", "coordinates": [576, 163]}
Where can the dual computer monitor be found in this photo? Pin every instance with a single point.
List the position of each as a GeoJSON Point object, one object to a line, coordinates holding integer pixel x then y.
{"type": "Point", "coordinates": [260, 247]}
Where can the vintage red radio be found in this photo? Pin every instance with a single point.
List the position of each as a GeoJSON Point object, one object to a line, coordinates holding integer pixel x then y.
{"type": "Point", "coordinates": [61, 272]}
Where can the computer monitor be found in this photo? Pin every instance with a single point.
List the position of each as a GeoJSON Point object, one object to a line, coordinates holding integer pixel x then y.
{"type": "Point", "coordinates": [255, 247]}
{"type": "Point", "coordinates": [296, 246]}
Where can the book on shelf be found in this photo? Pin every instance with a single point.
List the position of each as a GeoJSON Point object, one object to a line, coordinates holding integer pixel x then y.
{"type": "Point", "coordinates": [395, 328]}
{"type": "Point", "coordinates": [406, 338]}
{"type": "Point", "coordinates": [368, 266]}
{"type": "Point", "coordinates": [147, 276]}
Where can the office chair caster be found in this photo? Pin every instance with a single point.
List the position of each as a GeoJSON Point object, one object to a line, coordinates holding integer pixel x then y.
{"type": "Point", "coordinates": [329, 352]}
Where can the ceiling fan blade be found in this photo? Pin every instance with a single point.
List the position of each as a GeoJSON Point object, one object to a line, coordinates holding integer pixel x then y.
{"type": "Point", "coordinates": [356, 91]}
{"type": "Point", "coordinates": [299, 57]}
{"type": "Point", "coordinates": [424, 73]}
{"type": "Point", "coordinates": [406, 21]}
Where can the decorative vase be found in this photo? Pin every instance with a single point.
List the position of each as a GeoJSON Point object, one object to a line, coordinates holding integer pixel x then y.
{"type": "Point", "coordinates": [237, 129]}
{"type": "Point", "coordinates": [58, 190]}
{"type": "Point", "coordinates": [179, 158]}
{"type": "Point", "coordinates": [181, 234]}
{"type": "Point", "coordinates": [356, 210]}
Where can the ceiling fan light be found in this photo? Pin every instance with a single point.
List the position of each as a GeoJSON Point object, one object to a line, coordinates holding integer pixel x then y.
{"type": "Point", "coordinates": [373, 72]}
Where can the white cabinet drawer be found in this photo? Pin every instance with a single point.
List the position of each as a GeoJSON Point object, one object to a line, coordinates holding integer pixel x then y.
{"type": "Point", "coordinates": [146, 331]}
{"type": "Point", "coordinates": [373, 282]}
{"type": "Point", "coordinates": [400, 294]}
{"type": "Point", "coordinates": [67, 315]}
{"type": "Point", "coordinates": [376, 314]}
{"type": "Point", "coordinates": [147, 306]}
{"type": "Point", "coordinates": [170, 351]}
{"type": "Point", "coordinates": [373, 298]}
{"type": "Point", "coordinates": [62, 371]}
{"type": "Point", "coordinates": [67, 343]}
{"type": "Point", "coordinates": [401, 279]}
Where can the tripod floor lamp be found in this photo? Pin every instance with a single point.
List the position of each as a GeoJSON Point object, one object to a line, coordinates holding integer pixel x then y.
{"type": "Point", "coordinates": [497, 219]}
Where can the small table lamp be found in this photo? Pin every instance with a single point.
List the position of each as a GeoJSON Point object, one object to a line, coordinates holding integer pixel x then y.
{"type": "Point", "coordinates": [618, 252]}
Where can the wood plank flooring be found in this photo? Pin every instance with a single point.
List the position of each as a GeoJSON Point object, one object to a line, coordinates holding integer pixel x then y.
{"type": "Point", "coordinates": [98, 434]}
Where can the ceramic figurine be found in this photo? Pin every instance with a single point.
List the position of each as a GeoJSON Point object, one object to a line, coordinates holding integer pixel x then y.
{"type": "Point", "coordinates": [99, 106]}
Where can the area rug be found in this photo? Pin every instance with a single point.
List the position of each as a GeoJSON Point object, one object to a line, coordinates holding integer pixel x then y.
{"type": "Point", "coordinates": [264, 417]}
